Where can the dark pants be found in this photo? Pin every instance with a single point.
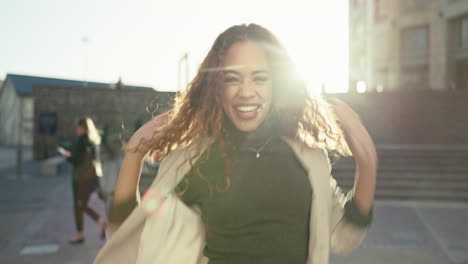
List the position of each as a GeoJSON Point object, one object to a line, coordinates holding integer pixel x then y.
{"type": "Point", "coordinates": [83, 187]}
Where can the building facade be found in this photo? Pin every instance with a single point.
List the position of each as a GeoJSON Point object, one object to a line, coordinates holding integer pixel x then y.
{"type": "Point", "coordinates": [18, 102]}
{"type": "Point", "coordinates": [409, 44]}
{"type": "Point", "coordinates": [16, 113]}
{"type": "Point", "coordinates": [117, 113]}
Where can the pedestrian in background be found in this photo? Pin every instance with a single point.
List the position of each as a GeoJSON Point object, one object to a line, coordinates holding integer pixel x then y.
{"type": "Point", "coordinates": [85, 157]}
{"type": "Point", "coordinates": [245, 171]}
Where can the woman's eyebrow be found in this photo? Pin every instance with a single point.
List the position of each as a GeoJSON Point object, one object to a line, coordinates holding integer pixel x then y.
{"type": "Point", "coordinates": [260, 71]}
{"type": "Point", "coordinates": [232, 72]}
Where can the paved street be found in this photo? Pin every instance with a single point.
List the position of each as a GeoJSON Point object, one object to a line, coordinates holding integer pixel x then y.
{"type": "Point", "coordinates": [8, 156]}
{"type": "Point", "coordinates": [37, 221]}
{"type": "Point", "coordinates": [414, 233]}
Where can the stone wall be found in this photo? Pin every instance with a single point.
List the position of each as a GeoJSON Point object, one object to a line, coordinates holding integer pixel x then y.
{"type": "Point", "coordinates": [117, 111]}
{"type": "Point", "coordinates": [419, 117]}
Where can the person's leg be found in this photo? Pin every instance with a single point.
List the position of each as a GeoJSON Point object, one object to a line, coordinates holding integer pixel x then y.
{"type": "Point", "coordinates": [78, 213]}
{"type": "Point", "coordinates": [98, 219]}
{"type": "Point", "coordinates": [92, 185]}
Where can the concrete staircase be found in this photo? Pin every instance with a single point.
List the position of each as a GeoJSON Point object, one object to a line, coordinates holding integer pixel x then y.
{"type": "Point", "coordinates": [423, 173]}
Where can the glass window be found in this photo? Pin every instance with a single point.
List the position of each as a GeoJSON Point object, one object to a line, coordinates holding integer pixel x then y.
{"type": "Point", "coordinates": [464, 33]}
{"type": "Point", "coordinates": [411, 5]}
{"type": "Point", "coordinates": [415, 42]}
{"type": "Point", "coordinates": [379, 14]}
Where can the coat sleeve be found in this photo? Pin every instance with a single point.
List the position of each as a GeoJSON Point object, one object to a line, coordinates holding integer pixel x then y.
{"type": "Point", "coordinates": [348, 226]}
{"type": "Point", "coordinates": [117, 213]}
{"type": "Point", "coordinates": [77, 151]}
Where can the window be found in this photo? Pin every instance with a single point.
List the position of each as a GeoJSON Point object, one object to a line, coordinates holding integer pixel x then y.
{"type": "Point", "coordinates": [354, 3]}
{"type": "Point", "coordinates": [464, 33]}
{"type": "Point", "coordinates": [413, 5]}
{"type": "Point", "coordinates": [414, 43]}
{"type": "Point", "coordinates": [414, 58]}
{"type": "Point", "coordinates": [379, 8]}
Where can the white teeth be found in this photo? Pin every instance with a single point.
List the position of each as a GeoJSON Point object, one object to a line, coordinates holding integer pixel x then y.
{"type": "Point", "coordinates": [248, 108]}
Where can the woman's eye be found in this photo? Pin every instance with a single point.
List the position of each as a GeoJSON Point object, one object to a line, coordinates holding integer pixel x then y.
{"type": "Point", "coordinates": [260, 79]}
{"type": "Point", "coordinates": [231, 80]}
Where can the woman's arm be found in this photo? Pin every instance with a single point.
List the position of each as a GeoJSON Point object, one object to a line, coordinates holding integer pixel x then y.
{"type": "Point", "coordinates": [129, 176]}
{"type": "Point", "coordinates": [126, 190]}
{"type": "Point", "coordinates": [365, 155]}
{"type": "Point", "coordinates": [352, 213]}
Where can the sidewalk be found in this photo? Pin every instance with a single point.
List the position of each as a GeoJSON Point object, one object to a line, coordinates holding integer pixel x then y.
{"type": "Point", "coordinates": [36, 217]}
{"type": "Point", "coordinates": [8, 156]}
{"type": "Point", "coordinates": [405, 232]}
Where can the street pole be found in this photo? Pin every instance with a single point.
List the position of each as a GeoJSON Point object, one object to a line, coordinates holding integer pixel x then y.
{"type": "Point", "coordinates": [183, 59]}
{"type": "Point", "coordinates": [19, 150]}
{"type": "Point", "coordinates": [178, 76]}
{"type": "Point", "coordinates": [186, 70]}
{"type": "Point", "coordinates": [85, 77]}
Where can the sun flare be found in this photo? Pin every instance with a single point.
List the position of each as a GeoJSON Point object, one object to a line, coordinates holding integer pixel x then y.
{"type": "Point", "coordinates": [320, 48]}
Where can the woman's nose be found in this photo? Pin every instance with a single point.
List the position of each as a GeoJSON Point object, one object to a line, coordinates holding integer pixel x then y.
{"type": "Point", "coordinates": [247, 89]}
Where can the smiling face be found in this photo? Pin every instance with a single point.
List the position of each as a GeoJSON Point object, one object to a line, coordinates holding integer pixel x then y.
{"type": "Point", "coordinates": [247, 95]}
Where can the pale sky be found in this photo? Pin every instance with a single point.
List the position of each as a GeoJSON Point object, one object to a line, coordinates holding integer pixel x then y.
{"type": "Point", "coordinates": [143, 40]}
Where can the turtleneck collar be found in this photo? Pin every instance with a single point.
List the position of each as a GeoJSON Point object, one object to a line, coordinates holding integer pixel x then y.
{"type": "Point", "coordinates": [269, 128]}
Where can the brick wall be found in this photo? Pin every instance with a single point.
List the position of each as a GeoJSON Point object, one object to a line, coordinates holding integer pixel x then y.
{"type": "Point", "coordinates": [419, 117]}
{"type": "Point", "coordinates": [117, 110]}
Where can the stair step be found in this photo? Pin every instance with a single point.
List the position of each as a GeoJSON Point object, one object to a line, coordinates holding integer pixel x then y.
{"type": "Point", "coordinates": [421, 198]}
{"type": "Point", "coordinates": [404, 176]}
{"type": "Point", "coordinates": [409, 169]}
{"type": "Point", "coordinates": [418, 195]}
{"type": "Point", "coordinates": [383, 162]}
{"type": "Point", "coordinates": [426, 155]}
{"type": "Point", "coordinates": [461, 163]}
{"type": "Point", "coordinates": [454, 187]}
{"type": "Point", "coordinates": [422, 195]}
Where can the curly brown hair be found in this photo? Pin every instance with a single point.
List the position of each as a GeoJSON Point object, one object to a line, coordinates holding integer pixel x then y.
{"type": "Point", "coordinates": [198, 112]}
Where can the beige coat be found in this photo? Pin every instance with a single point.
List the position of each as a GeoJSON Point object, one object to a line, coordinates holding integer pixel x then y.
{"type": "Point", "coordinates": [162, 229]}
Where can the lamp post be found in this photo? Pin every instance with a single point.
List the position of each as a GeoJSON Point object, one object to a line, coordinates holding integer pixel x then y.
{"type": "Point", "coordinates": [183, 59]}
{"type": "Point", "coordinates": [84, 40]}
{"type": "Point", "coordinates": [19, 150]}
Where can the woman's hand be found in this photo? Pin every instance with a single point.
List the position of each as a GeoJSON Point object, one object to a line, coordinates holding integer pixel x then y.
{"type": "Point", "coordinates": [64, 152]}
{"type": "Point", "coordinates": [363, 149]}
{"type": "Point", "coordinates": [138, 142]}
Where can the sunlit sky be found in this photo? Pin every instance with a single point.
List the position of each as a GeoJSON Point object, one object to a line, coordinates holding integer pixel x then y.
{"type": "Point", "coordinates": [141, 41]}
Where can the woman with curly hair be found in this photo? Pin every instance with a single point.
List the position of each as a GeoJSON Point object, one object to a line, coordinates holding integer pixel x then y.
{"type": "Point", "coordinates": [245, 171]}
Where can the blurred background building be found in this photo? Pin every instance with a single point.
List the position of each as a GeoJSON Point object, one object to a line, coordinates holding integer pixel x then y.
{"type": "Point", "coordinates": [408, 75]}
{"type": "Point", "coordinates": [408, 45]}
{"type": "Point", "coordinates": [17, 105]}
{"type": "Point", "coordinates": [42, 112]}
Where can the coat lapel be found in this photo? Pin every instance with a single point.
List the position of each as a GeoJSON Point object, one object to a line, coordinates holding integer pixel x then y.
{"type": "Point", "coordinates": [170, 225]}
{"type": "Point", "coordinates": [315, 161]}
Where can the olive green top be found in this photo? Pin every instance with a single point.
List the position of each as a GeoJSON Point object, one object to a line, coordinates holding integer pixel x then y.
{"type": "Point", "coordinates": [263, 217]}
